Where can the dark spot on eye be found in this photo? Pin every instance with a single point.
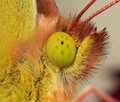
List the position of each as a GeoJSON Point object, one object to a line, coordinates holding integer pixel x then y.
{"type": "Point", "coordinates": [66, 38]}
{"type": "Point", "coordinates": [62, 42]}
{"type": "Point", "coordinates": [61, 36]}
{"type": "Point", "coordinates": [67, 46]}
{"type": "Point", "coordinates": [57, 47]}
{"type": "Point", "coordinates": [58, 39]}
{"type": "Point", "coordinates": [62, 52]}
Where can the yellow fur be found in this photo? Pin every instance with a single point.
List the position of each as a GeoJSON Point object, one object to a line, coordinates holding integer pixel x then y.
{"type": "Point", "coordinates": [17, 21]}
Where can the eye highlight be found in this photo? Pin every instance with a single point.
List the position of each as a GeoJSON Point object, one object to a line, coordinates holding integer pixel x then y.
{"type": "Point", "coordinates": [61, 49]}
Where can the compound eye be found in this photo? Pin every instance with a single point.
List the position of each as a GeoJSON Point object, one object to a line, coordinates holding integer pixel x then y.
{"type": "Point", "coordinates": [61, 49]}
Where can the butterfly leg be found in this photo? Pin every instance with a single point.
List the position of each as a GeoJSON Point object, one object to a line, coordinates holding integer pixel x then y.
{"type": "Point", "coordinates": [101, 94]}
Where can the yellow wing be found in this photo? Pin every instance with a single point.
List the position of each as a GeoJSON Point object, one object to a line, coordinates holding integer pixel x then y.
{"type": "Point", "coordinates": [17, 22]}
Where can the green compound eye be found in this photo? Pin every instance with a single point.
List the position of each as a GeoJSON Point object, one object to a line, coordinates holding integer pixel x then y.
{"type": "Point", "coordinates": [61, 49]}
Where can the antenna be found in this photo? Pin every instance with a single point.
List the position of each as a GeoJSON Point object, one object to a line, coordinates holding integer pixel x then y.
{"type": "Point", "coordinates": [76, 21]}
{"type": "Point", "coordinates": [102, 10]}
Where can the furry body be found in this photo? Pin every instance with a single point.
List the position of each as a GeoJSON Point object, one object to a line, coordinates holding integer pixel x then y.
{"type": "Point", "coordinates": [27, 74]}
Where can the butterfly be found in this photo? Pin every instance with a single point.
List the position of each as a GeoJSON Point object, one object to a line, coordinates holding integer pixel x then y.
{"type": "Point", "coordinates": [44, 55]}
